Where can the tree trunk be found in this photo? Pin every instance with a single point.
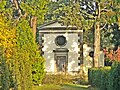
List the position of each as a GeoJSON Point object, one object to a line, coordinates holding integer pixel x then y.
{"type": "Point", "coordinates": [97, 39]}
{"type": "Point", "coordinates": [16, 4]}
{"type": "Point", "coordinates": [97, 45]}
{"type": "Point", "coordinates": [34, 25]}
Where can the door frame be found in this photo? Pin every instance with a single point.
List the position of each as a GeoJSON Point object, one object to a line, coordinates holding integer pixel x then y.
{"type": "Point", "coordinates": [61, 52]}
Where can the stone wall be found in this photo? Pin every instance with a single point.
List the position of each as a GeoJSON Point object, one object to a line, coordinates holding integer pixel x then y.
{"type": "Point", "coordinates": [71, 45]}
{"type": "Point", "coordinates": [88, 61]}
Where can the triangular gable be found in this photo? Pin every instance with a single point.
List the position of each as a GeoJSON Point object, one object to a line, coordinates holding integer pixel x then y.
{"type": "Point", "coordinates": [54, 25]}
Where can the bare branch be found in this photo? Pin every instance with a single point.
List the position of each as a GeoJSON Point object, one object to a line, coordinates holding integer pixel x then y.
{"type": "Point", "coordinates": [15, 2]}
{"type": "Point", "coordinates": [104, 10]}
{"type": "Point", "coordinates": [103, 26]}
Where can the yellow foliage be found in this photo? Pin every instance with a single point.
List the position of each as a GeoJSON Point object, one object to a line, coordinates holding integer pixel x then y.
{"type": "Point", "coordinates": [111, 13]}
{"type": "Point", "coordinates": [7, 37]}
{"type": "Point", "coordinates": [119, 21]}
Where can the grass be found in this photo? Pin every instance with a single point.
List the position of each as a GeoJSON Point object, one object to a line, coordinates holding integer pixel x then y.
{"type": "Point", "coordinates": [64, 87]}
{"type": "Point", "coordinates": [63, 82]}
{"type": "Point", "coordinates": [75, 87]}
{"type": "Point", "coordinates": [48, 87]}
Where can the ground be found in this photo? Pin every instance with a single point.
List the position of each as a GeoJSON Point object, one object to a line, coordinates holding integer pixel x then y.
{"type": "Point", "coordinates": [64, 87]}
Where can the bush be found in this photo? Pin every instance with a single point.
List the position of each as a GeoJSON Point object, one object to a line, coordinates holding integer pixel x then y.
{"type": "Point", "coordinates": [114, 77]}
{"type": "Point", "coordinates": [38, 71]}
{"type": "Point", "coordinates": [105, 78]}
{"type": "Point", "coordinates": [6, 80]}
{"type": "Point", "coordinates": [57, 79]}
{"type": "Point", "coordinates": [27, 63]}
{"type": "Point", "coordinates": [98, 77]}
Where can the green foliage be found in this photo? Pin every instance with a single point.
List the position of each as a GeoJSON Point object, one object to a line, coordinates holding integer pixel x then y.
{"type": "Point", "coordinates": [2, 5]}
{"type": "Point", "coordinates": [72, 13]}
{"type": "Point", "coordinates": [57, 79]}
{"type": "Point", "coordinates": [6, 10]}
{"type": "Point", "coordinates": [98, 77]}
{"type": "Point", "coordinates": [38, 70]}
{"type": "Point", "coordinates": [7, 42]}
{"type": "Point", "coordinates": [72, 16]}
{"type": "Point", "coordinates": [34, 11]}
{"type": "Point", "coordinates": [69, 13]}
{"type": "Point", "coordinates": [88, 37]}
{"type": "Point", "coordinates": [23, 57]}
{"type": "Point", "coordinates": [114, 77]}
{"type": "Point", "coordinates": [21, 51]}
{"type": "Point", "coordinates": [55, 9]}
{"type": "Point", "coordinates": [48, 87]}
{"type": "Point", "coordinates": [105, 78]}
{"type": "Point", "coordinates": [27, 59]}
{"type": "Point", "coordinates": [35, 8]}
{"type": "Point", "coordinates": [6, 80]}
{"type": "Point", "coordinates": [110, 36]}
{"type": "Point", "coordinates": [63, 87]}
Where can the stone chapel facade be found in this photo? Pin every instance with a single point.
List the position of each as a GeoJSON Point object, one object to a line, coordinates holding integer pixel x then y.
{"type": "Point", "coordinates": [62, 48]}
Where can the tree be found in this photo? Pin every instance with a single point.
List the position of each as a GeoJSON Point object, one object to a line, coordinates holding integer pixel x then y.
{"type": "Point", "coordinates": [38, 69]}
{"type": "Point", "coordinates": [110, 36]}
{"type": "Point", "coordinates": [7, 42]}
{"type": "Point", "coordinates": [5, 73]}
{"type": "Point", "coordinates": [55, 9]}
{"type": "Point", "coordinates": [27, 59]}
{"type": "Point", "coordinates": [89, 14]}
{"type": "Point", "coordinates": [21, 51]}
{"type": "Point", "coordinates": [7, 30]}
{"type": "Point", "coordinates": [31, 9]}
{"type": "Point", "coordinates": [104, 15]}
{"type": "Point", "coordinates": [22, 59]}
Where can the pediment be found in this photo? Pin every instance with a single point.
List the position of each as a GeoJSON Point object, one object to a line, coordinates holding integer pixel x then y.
{"type": "Point", "coordinates": [55, 25]}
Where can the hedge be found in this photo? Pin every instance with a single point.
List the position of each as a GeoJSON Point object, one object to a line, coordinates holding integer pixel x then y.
{"type": "Point", "coordinates": [98, 77]}
{"type": "Point", "coordinates": [106, 78]}
{"type": "Point", "coordinates": [114, 77]}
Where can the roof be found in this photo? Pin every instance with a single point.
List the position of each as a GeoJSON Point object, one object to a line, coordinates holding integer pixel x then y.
{"type": "Point", "coordinates": [55, 25]}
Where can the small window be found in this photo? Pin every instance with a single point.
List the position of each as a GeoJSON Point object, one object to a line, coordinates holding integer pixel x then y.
{"type": "Point", "coordinates": [91, 54]}
{"type": "Point", "coordinates": [79, 64]}
{"type": "Point", "coordinates": [60, 41]}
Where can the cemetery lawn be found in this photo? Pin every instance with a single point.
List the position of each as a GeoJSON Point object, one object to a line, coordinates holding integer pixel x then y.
{"type": "Point", "coordinates": [64, 87]}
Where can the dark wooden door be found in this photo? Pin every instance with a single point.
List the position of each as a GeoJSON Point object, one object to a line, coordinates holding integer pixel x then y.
{"type": "Point", "coordinates": [61, 63]}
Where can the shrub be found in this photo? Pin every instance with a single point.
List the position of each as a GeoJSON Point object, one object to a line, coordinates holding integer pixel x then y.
{"type": "Point", "coordinates": [57, 79]}
{"type": "Point", "coordinates": [106, 78]}
{"type": "Point", "coordinates": [22, 57]}
{"type": "Point", "coordinates": [27, 63]}
{"type": "Point", "coordinates": [6, 80]}
{"type": "Point", "coordinates": [114, 77]}
{"type": "Point", "coordinates": [98, 77]}
{"type": "Point", "coordinates": [38, 71]}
